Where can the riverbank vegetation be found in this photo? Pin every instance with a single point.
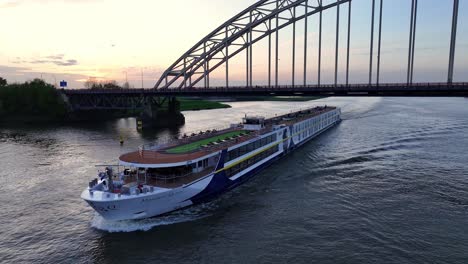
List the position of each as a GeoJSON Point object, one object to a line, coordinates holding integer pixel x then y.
{"type": "Point", "coordinates": [34, 100]}
{"type": "Point", "coordinates": [37, 101]}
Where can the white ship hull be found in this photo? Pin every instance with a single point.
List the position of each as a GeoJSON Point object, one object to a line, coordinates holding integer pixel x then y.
{"type": "Point", "coordinates": [144, 205]}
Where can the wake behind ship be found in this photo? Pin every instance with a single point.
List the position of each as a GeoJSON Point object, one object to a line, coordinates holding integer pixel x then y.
{"type": "Point", "coordinates": [158, 179]}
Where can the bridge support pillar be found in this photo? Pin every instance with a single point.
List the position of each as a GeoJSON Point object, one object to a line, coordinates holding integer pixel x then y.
{"type": "Point", "coordinates": [161, 116]}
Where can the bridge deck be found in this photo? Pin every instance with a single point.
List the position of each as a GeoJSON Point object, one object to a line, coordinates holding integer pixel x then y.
{"type": "Point", "coordinates": [391, 89]}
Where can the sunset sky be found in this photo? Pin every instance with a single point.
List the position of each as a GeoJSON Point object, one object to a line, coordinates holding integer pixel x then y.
{"type": "Point", "coordinates": [109, 39]}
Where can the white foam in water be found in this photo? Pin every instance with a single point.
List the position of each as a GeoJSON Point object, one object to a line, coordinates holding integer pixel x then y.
{"type": "Point", "coordinates": [187, 215]}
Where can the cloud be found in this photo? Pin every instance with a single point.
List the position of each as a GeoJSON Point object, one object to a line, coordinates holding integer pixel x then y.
{"type": "Point", "coordinates": [18, 60]}
{"type": "Point", "coordinates": [66, 63]}
{"type": "Point", "coordinates": [58, 60]}
{"type": "Point", "coordinates": [12, 70]}
{"type": "Point", "coordinates": [16, 3]}
{"type": "Point", "coordinates": [22, 74]}
{"type": "Point", "coordinates": [39, 61]}
{"type": "Point", "coordinates": [56, 57]}
{"type": "Point", "coordinates": [10, 4]}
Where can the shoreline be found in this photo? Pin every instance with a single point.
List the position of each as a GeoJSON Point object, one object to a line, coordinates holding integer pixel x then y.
{"type": "Point", "coordinates": [93, 116]}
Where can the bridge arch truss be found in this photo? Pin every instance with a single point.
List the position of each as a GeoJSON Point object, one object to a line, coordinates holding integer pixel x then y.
{"type": "Point", "coordinates": [264, 19]}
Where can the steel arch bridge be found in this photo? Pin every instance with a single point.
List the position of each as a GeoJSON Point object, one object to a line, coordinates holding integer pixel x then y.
{"type": "Point", "coordinates": [264, 19]}
{"type": "Point", "coordinates": [190, 74]}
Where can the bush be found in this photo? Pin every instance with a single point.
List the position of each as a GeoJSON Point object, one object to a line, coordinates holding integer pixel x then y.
{"type": "Point", "coordinates": [3, 82]}
{"type": "Point", "coordinates": [35, 98]}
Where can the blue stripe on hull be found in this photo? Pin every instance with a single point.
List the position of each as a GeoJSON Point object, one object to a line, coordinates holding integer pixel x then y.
{"type": "Point", "coordinates": [217, 185]}
{"type": "Point", "coordinates": [221, 183]}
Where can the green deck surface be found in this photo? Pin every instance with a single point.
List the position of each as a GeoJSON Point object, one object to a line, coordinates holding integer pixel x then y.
{"type": "Point", "coordinates": [196, 145]}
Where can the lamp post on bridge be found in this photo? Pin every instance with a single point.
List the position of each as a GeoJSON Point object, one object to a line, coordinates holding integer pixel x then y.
{"type": "Point", "coordinates": [126, 84]}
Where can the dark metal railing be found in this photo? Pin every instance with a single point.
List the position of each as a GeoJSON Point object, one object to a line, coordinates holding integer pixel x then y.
{"type": "Point", "coordinates": [259, 88]}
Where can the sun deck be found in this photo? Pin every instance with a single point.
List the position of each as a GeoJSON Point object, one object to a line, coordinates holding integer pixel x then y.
{"type": "Point", "coordinates": [197, 146]}
{"type": "Point", "coordinates": [163, 156]}
{"type": "Point", "coordinates": [205, 142]}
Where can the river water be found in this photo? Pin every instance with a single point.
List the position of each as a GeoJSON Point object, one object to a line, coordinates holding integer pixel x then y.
{"type": "Point", "coordinates": [387, 185]}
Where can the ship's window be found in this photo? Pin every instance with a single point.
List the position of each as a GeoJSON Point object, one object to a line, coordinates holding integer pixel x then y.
{"type": "Point", "coordinates": [246, 149]}
{"type": "Point", "coordinates": [250, 147]}
{"type": "Point", "coordinates": [168, 173]}
{"type": "Point", "coordinates": [251, 161]}
{"type": "Point", "coordinates": [258, 144]}
{"type": "Point", "coordinates": [242, 150]}
{"type": "Point", "coordinates": [234, 153]}
{"type": "Point", "coordinates": [205, 163]}
{"type": "Point", "coordinates": [242, 165]}
{"type": "Point", "coordinates": [200, 163]}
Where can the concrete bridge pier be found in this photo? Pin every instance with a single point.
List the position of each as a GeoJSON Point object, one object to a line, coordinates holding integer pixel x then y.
{"type": "Point", "coordinates": [157, 115]}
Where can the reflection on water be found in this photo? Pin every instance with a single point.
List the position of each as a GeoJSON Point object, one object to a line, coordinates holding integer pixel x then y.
{"type": "Point", "coordinates": [387, 185]}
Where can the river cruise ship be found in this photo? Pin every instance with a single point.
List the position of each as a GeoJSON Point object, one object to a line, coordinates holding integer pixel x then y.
{"type": "Point", "coordinates": [196, 168]}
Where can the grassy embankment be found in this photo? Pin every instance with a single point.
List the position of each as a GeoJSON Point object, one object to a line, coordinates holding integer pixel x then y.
{"type": "Point", "coordinates": [278, 98]}
{"type": "Point", "coordinates": [196, 104]}
{"type": "Point", "coordinates": [199, 104]}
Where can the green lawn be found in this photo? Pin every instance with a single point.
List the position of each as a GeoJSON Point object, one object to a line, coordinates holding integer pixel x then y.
{"type": "Point", "coordinates": [196, 145]}
{"type": "Point", "coordinates": [278, 98]}
{"type": "Point", "coordinates": [196, 104]}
